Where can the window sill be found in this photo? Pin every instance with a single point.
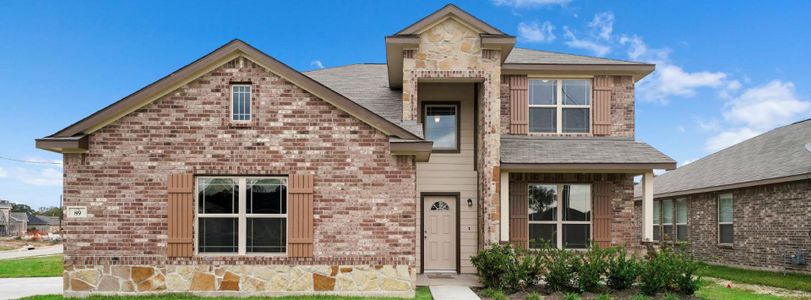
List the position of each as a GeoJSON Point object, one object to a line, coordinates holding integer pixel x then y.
{"type": "Point", "coordinates": [446, 151]}
{"type": "Point", "coordinates": [231, 255]}
{"type": "Point", "coordinates": [725, 246]}
{"type": "Point", "coordinates": [237, 124]}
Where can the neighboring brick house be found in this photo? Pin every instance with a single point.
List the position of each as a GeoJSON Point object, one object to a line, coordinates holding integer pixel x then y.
{"type": "Point", "coordinates": [747, 205]}
{"type": "Point", "coordinates": [238, 174]}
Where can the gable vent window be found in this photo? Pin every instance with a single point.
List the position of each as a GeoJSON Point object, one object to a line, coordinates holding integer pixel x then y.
{"type": "Point", "coordinates": [241, 102]}
{"type": "Point", "coordinates": [560, 106]}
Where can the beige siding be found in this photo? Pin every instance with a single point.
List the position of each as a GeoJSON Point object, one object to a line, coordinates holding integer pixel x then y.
{"type": "Point", "coordinates": [453, 172]}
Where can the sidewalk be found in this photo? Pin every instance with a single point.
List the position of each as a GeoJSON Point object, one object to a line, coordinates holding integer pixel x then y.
{"type": "Point", "coordinates": [15, 288]}
{"type": "Point", "coordinates": [50, 250]}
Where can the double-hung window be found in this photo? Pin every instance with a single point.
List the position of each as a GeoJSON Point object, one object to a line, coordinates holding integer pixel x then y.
{"type": "Point", "coordinates": [241, 102]}
{"type": "Point", "coordinates": [681, 219]}
{"type": "Point", "coordinates": [241, 215]}
{"type": "Point", "coordinates": [560, 215]}
{"type": "Point", "coordinates": [670, 219]}
{"type": "Point", "coordinates": [657, 220]}
{"type": "Point", "coordinates": [442, 126]}
{"type": "Point", "coordinates": [560, 106]}
{"type": "Point", "coordinates": [667, 220]}
{"type": "Point", "coordinates": [725, 225]}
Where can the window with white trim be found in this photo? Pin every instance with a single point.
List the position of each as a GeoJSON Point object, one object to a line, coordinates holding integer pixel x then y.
{"type": "Point", "coordinates": [667, 220]}
{"type": "Point", "coordinates": [681, 219]}
{"type": "Point", "coordinates": [725, 219]}
{"type": "Point", "coordinates": [240, 215]}
{"type": "Point", "coordinates": [670, 219]}
{"type": "Point", "coordinates": [560, 106]}
{"type": "Point", "coordinates": [559, 215]}
{"type": "Point", "coordinates": [240, 102]}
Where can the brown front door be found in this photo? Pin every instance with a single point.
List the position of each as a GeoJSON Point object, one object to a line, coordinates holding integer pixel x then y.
{"type": "Point", "coordinates": [439, 238]}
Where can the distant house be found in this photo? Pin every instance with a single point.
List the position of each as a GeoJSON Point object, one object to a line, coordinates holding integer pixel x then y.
{"type": "Point", "coordinates": [29, 222]}
{"type": "Point", "coordinates": [5, 217]}
{"type": "Point", "coordinates": [746, 205]}
{"type": "Point", "coordinates": [54, 223]}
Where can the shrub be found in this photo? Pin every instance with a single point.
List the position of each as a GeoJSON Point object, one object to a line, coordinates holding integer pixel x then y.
{"type": "Point", "coordinates": [571, 296]}
{"type": "Point", "coordinates": [492, 263]}
{"type": "Point", "coordinates": [603, 297]}
{"type": "Point", "coordinates": [590, 268]}
{"type": "Point", "coordinates": [494, 294]}
{"type": "Point", "coordinates": [505, 268]}
{"type": "Point", "coordinates": [622, 270]}
{"type": "Point", "coordinates": [684, 277]}
{"type": "Point", "coordinates": [561, 268]}
{"type": "Point", "coordinates": [670, 296]}
{"type": "Point", "coordinates": [533, 296]}
{"type": "Point", "coordinates": [654, 274]}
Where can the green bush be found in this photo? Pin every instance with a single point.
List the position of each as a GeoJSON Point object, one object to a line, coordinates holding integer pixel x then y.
{"type": "Point", "coordinates": [504, 268]}
{"type": "Point", "coordinates": [654, 274]}
{"type": "Point", "coordinates": [684, 276]}
{"type": "Point", "coordinates": [622, 270]}
{"type": "Point", "coordinates": [534, 296]}
{"type": "Point", "coordinates": [670, 296]}
{"type": "Point", "coordinates": [494, 294]}
{"type": "Point", "coordinates": [561, 268]}
{"type": "Point", "coordinates": [603, 297]}
{"type": "Point", "coordinates": [590, 267]}
{"type": "Point", "coordinates": [571, 296]}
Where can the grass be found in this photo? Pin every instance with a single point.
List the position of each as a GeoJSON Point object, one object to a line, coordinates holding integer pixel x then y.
{"type": "Point", "coordinates": [422, 294]}
{"type": "Point", "coordinates": [45, 266]}
{"type": "Point", "coordinates": [7, 248]}
{"type": "Point", "coordinates": [790, 281]}
{"type": "Point", "coordinates": [712, 291]}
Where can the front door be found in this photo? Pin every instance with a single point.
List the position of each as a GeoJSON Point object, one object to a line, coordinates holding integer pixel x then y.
{"type": "Point", "coordinates": [439, 240]}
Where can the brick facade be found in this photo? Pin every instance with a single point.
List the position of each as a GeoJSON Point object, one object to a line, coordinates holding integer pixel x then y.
{"type": "Point", "coordinates": [363, 202]}
{"type": "Point", "coordinates": [622, 204]}
{"type": "Point", "coordinates": [622, 109]}
{"type": "Point", "coordinates": [770, 221]}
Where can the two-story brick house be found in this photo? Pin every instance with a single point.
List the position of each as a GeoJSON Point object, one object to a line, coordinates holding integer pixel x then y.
{"type": "Point", "coordinates": [238, 174]}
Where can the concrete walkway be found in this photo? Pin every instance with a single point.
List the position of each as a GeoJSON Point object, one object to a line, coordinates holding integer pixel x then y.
{"type": "Point", "coordinates": [15, 288]}
{"type": "Point", "coordinates": [444, 292]}
{"type": "Point", "coordinates": [50, 250]}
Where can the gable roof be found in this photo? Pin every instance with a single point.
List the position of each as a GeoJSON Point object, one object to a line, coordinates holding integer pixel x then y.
{"type": "Point", "coordinates": [522, 60]}
{"type": "Point", "coordinates": [779, 155]}
{"type": "Point", "coordinates": [73, 134]}
{"type": "Point", "coordinates": [29, 218]}
{"type": "Point", "coordinates": [367, 85]}
{"type": "Point", "coordinates": [447, 11]}
{"type": "Point", "coordinates": [531, 56]}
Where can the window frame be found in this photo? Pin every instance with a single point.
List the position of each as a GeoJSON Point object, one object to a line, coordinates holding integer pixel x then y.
{"type": "Point", "coordinates": [242, 217]}
{"type": "Point", "coordinates": [559, 106]}
{"type": "Point", "coordinates": [676, 219]}
{"type": "Point", "coordinates": [718, 216]}
{"type": "Point", "coordinates": [231, 111]}
{"type": "Point", "coordinates": [559, 222]}
{"type": "Point", "coordinates": [458, 109]}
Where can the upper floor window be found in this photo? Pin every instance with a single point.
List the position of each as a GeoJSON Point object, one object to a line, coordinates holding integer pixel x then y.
{"type": "Point", "coordinates": [725, 219]}
{"type": "Point", "coordinates": [240, 102]}
{"type": "Point", "coordinates": [560, 106]}
{"type": "Point", "coordinates": [240, 215]}
{"type": "Point", "coordinates": [442, 126]}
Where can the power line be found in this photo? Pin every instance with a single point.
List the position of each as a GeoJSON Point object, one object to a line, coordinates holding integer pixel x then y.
{"type": "Point", "coordinates": [30, 161]}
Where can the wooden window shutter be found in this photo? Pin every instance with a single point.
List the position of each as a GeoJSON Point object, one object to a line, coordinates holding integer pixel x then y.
{"type": "Point", "coordinates": [300, 216]}
{"type": "Point", "coordinates": [601, 204]}
{"type": "Point", "coordinates": [180, 215]}
{"type": "Point", "coordinates": [519, 104]}
{"type": "Point", "coordinates": [519, 207]}
{"type": "Point", "coordinates": [601, 107]}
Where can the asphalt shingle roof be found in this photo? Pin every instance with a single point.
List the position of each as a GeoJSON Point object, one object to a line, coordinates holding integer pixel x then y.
{"type": "Point", "coordinates": [774, 154]}
{"type": "Point", "coordinates": [530, 56]}
{"type": "Point", "coordinates": [367, 85]}
{"type": "Point", "coordinates": [576, 150]}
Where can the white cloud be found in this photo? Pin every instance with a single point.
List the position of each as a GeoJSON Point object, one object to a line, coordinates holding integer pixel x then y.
{"type": "Point", "coordinates": [731, 87]}
{"type": "Point", "coordinates": [598, 49]}
{"type": "Point", "coordinates": [530, 3]}
{"type": "Point", "coordinates": [534, 32]}
{"type": "Point", "coordinates": [3, 173]}
{"type": "Point", "coordinates": [681, 129]}
{"type": "Point", "coordinates": [757, 110]}
{"type": "Point", "coordinates": [317, 64]}
{"type": "Point", "coordinates": [710, 125]}
{"type": "Point", "coordinates": [45, 177]}
{"type": "Point", "coordinates": [603, 25]}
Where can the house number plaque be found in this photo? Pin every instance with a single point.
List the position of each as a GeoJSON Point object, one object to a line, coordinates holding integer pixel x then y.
{"type": "Point", "coordinates": [76, 212]}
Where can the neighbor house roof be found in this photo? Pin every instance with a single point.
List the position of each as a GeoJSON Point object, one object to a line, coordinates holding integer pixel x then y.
{"type": "Point", "coordinates": [32, 219]}
{"type": "Point", "coordinates": [73, 135]}
{"type": "Point", "coordinates": [367, 85]}
{"type": "Point", "coordinates": [776, 156]}
{"type": "Point", "coordinates": [572, 153]}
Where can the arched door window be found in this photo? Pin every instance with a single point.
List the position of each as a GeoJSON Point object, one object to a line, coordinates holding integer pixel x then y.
{"type": "Point", "coordinates": [440, 205]}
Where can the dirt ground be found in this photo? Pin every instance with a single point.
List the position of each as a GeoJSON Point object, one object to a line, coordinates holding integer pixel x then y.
{"type": "Point", "coordinates": [625, 294]}
{"type": "Point", "coordinates": [10, 243]}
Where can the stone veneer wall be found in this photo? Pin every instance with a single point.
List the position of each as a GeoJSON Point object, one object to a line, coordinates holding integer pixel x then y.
{"type": "Point", "coordinates": [622, 109]}
{"type": "Point", "coordinates": [450, 49]}
{"type": "Point", "coordinates": [769, 221]}
{"type": "Point", "coordinates": [365, 215]}
{"type": "Point", "coordinates": [622, 203]}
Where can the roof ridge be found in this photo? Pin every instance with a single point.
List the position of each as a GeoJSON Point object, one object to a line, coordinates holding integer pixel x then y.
{"type": "Point", "coordinates": [580, 55]}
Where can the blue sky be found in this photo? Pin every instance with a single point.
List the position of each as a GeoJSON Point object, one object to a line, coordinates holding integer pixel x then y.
{"type": "Point", "coordinates": [725, 71]}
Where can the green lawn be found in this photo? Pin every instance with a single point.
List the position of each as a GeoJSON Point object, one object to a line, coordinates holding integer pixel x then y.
{"type": "Point", "coordinates": [714, 291]}
{"type": "Point", "coordinates": [45, 266]}
{"type": "Point", "coordinates": [789, 281]}
{"type": "Point", "coordinates": [422, 294]}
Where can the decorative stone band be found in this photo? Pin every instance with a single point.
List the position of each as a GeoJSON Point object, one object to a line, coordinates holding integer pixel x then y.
{"type": "Point", "coordinates": [241, 280]}
{"type": "Point", "coordinates": [71, 260]}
